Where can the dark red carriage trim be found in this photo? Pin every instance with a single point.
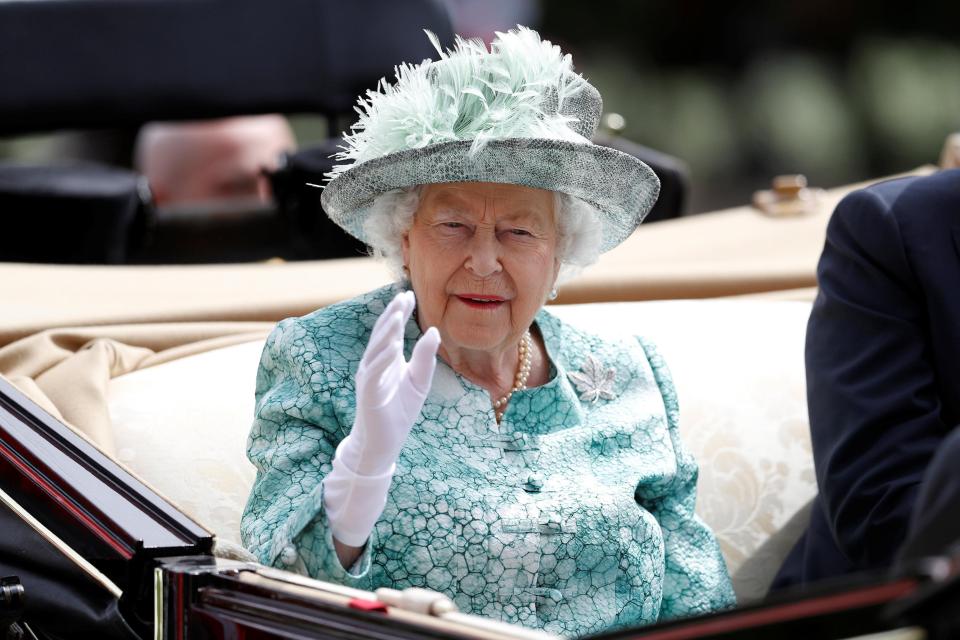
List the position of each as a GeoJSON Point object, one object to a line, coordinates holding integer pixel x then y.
{"type": "Point", "coordinates": [846, 602]}
{"type": "Point", "coordinates": [72, 484]}
{"type": "Point", "coordinates": [80, 515]}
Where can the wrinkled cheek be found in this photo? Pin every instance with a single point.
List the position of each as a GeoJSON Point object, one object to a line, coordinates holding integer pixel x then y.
{"type": "Point", "coordinates": [539, 278]}
{"type": "Point", "coordinates": [431, 296]}
{"type": "Point", "coordinates": [426, 301]}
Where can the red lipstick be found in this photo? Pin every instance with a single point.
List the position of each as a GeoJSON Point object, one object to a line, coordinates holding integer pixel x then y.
{"type": "Point", "coordinates": [481, 300]}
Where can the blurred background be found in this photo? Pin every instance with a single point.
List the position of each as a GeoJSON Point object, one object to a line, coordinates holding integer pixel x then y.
{"type": "Point", "coordinates": [838, 90]}
{"type": "Point", "coordinates": [737, 92]}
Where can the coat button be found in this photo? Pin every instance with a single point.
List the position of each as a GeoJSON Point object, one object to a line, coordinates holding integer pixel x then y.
{"type": "Point", "coordinates": [542, 593]}
{"type": "Point", "coordinates": [534, 483]}
{"type": "Point", "coordinates": [288, 555]}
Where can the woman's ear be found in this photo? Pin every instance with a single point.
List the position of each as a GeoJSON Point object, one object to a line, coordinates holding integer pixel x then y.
{"type": "Point", "coordinates": [405, 251]}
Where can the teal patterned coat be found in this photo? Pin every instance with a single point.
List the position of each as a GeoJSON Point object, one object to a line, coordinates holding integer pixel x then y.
{"type": "Point", "coordinates": [574, 515]}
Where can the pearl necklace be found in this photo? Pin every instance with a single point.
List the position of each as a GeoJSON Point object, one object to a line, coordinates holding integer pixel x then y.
{"type": "Point", "coordinates": [520, 379]}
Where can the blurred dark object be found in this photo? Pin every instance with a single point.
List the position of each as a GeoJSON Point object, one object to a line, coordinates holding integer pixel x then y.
{"type": "Point", "coordinates": [161, 60]}
{"type": "Point", "coordinates": [79, 214]}
{"type": "Point", "coordinates": [222, 230]}
{"type": "Point", "coordinates": [105, 146]}
{"type": "Point", "coordinates": [312, 233]}
{"type": "Point", "coordinates": [11, 604]}
{"type": "Point", "coordinates": [673, 173]}
{"type": "Point", "coordinates": [58, 597]}
{"type": "Point", "coordinates": [472, 19]}
{"type": "Point", "coordinates": [934, 606]}
{"type": "Point", "coordinates": [171, 60]}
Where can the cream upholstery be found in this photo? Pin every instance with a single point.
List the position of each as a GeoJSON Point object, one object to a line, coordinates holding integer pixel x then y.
{"type": "Point", "coordinates": [738, 368]}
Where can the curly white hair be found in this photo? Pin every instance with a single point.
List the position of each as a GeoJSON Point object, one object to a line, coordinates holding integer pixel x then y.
{"type": "Point", "coordinates": [578, 226]}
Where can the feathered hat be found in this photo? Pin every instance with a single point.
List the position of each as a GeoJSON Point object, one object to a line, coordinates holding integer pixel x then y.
{"type": "Point", "coordinates": [515, 114]}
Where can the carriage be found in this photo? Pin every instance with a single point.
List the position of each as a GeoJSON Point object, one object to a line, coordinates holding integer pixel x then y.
{"type": "Point", "coordinates": [120, 494]}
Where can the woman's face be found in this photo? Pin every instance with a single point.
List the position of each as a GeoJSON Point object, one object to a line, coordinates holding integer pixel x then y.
{"type": "Point", "coordinates": [482, 258]}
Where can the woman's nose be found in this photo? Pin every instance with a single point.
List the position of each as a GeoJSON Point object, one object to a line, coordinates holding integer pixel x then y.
{"type": "Point", "coordinates": [483, 255]}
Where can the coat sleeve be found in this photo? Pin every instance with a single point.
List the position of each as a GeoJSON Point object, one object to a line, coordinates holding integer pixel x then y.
{"type": "Point", "coordinates": [695, 579]}
{"type": "Point", "coordinates": [874, 411]}
{"type": "Point", "coordinates": [292, 441]}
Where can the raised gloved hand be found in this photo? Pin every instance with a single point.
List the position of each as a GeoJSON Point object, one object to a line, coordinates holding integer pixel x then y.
{"type": "Point", "coordinates": [390, 393]}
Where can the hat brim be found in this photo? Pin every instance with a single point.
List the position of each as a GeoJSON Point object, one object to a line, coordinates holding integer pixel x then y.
{"type": "Point", "coordinates": [620, 186]}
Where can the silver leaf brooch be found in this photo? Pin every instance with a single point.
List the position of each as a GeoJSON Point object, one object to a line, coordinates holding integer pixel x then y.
{"type": "Point", "coordinates": [593, 381]}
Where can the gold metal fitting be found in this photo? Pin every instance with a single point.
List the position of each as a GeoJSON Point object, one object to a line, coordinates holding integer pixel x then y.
{"type": "Point", "coordinates": [789, 196]}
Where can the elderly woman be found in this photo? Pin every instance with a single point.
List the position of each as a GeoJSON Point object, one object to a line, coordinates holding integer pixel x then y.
{"type": "Point", "coordinates": [530, 470]}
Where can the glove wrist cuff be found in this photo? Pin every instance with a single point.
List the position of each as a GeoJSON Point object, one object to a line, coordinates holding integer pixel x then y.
{"type": "Point", "coordinates": [353, 501]}
{"type": "Point", "coordinates": [355, 453]}
{"type": "Point", "coordinates": [346, 458]}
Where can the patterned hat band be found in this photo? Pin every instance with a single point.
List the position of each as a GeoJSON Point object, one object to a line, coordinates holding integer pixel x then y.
{"type": "Point", "coordinates": [619, 186]}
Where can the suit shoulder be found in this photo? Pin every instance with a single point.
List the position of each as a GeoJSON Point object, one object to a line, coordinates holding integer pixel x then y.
{"type": "Point", "coordinates": [867, 205]}
{"type": "Point", "coordinates": [928, 203]}
{"type": "Point", "coordinates": [900, 211]}
{"type": "Point", "coordinates": [908, 196]}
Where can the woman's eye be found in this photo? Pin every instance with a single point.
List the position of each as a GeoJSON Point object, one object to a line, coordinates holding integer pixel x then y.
{"type": "Point", "coordinates": [520, 232]}
{"type": "Point", "coordinates": [452, 225]}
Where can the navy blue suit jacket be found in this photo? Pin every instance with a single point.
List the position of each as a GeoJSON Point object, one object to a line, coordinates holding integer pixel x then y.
{"type": "Point", "coordinates": [883, 369]}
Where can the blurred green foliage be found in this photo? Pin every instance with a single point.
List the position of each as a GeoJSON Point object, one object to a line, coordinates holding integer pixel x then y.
{"type": "Point", "coordinates": [909, 94]}
{"type": "Point", "coordinates": [887, 108]}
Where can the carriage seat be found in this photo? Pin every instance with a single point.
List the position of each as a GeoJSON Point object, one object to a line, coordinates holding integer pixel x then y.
{"type": "Point", "coordinates": [738, 369]}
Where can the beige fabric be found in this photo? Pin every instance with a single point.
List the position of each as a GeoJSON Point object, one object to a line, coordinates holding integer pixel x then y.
{"type": "Point", "coordinates": [730, 252]}
{"type": "Point", "coordinates": [806, 294]}
{"type": "Point", "coordinates": [738, 369]}
{"type": "Point", "coordinates": [74, 381]}
{"type": "Point", "coordinates": [36, 296]}
{"type": "Point", "coordinates": [66, 371]}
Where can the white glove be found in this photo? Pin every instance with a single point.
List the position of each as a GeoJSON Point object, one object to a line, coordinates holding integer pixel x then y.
{"type": "Point", "coordinates": [390, 393]}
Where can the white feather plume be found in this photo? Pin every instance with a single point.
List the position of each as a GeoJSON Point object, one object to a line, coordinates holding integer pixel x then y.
{"type": "Point", "coordinates": [469, 94]}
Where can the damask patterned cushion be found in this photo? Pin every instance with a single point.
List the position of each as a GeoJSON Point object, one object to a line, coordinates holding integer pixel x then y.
{"type": "Point", "coordinates": [738, 369]}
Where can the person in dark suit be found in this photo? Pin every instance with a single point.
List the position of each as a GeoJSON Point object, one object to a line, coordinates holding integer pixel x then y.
{"type": "Point", "coordinates": [883, 381]}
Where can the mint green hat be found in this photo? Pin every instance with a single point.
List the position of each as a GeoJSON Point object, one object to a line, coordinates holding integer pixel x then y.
{"type": "Point", "coordinates": [514, 114]}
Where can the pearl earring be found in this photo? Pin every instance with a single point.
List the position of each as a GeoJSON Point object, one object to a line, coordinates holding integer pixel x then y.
{"type": "Point", "coordinates": [553, 294]}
